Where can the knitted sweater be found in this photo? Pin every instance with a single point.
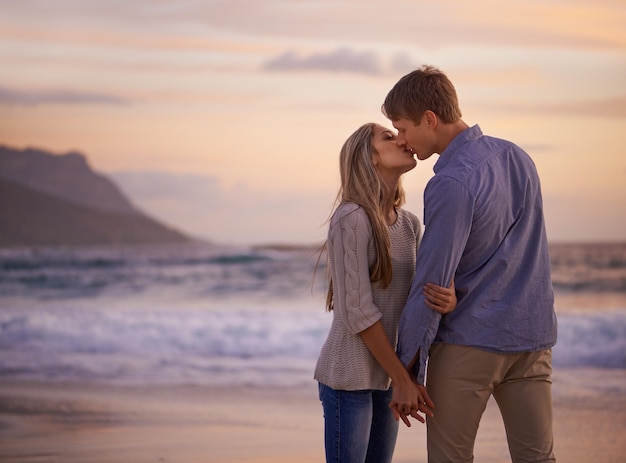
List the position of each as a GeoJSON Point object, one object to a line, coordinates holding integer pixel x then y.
{"type": "Point", "coordinates": [345, 362]}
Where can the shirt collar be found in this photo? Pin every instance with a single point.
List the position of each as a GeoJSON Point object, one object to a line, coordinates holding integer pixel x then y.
{"type": "Point", "coordinates": [467, 135]}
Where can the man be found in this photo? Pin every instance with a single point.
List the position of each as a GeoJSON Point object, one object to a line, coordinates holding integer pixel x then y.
{"type": "Point", "coordinates": [484, 228]}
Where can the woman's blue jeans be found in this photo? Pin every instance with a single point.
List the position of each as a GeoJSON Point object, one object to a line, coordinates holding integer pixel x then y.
{"type": "Point", "coordinates": [358, 425]}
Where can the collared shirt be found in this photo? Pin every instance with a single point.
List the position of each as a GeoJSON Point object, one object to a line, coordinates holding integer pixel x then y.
{"type": "Point", "coordinates": [484, 227]}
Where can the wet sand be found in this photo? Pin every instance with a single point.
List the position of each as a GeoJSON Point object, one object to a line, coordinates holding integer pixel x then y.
{"type": "Point", "coordinates": [95, 423]}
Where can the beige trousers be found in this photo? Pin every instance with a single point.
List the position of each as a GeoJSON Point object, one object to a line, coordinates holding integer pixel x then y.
{"type": "Point", "coordinates": [460, 381]}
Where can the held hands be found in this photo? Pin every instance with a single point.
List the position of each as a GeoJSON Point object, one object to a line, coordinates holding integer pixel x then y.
{"type": "Point", "coordinates": [440, 299]}
{"type": "Point", "coordinates": [409, 400]}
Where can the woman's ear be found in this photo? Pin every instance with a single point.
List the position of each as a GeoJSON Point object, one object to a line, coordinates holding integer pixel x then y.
{"type": "Point", "coordinates": [374, 157]}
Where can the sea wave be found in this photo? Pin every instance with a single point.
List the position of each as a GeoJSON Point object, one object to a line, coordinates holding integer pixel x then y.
{"type": "Point", "coordinates": [207, 270]}
{"type": "Point", "coordinates": [590, 267]}
{"type": "Point", "coordinates": [190, 271]}
{"type": "Point", "coordinates": [198, 346]}
{"type": "Point", "coordinates": [230, 315]}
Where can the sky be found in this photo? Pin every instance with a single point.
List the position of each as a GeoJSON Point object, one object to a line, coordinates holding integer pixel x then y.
{"type": "Point", "coordinates": [224, 118]}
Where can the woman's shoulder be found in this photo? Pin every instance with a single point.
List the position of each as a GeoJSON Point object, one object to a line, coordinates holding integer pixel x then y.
{"type": "Point", "coordinates": [348, 210]}
{"type": "Point", "coordinates": [349, 213]}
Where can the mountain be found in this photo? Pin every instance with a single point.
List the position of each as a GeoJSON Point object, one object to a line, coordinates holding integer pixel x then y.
{"type": "Point", "coordinates": [66, 176]}
{"type": "Point", "coordinates": [50, 200]}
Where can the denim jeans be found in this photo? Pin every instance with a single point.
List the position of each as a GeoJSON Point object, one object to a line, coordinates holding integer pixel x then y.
{"type": "Point", "coordinates": [358, 426]}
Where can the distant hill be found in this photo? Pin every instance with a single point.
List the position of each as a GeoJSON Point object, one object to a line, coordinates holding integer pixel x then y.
{"type": "Point", "coordinates": [50, 200]}
{"type": "Point", "coordinates": [67, 176]}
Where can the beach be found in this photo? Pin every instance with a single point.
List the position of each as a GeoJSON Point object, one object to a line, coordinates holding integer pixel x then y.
{"type": "Point", "coordinates": [60, 422]}
{"type": "Point", "coordinates": [185, 355]}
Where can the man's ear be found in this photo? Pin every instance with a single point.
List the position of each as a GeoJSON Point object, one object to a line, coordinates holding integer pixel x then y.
{"type": "Point", "coordinates": [430, 118]}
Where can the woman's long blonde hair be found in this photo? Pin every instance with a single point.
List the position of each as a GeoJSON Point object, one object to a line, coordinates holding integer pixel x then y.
{"type": "Point", "coordinates": [362, 184]}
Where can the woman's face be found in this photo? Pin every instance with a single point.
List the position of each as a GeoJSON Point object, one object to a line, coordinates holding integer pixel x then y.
{"type": "Point", "coordinates": [390, 157]}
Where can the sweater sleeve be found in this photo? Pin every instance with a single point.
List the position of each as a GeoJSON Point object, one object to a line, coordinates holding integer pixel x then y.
{"type": "Point", "coordinates": [353, 299]}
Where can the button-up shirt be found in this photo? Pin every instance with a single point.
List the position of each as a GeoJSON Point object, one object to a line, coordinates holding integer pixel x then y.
{"type": "Point", "coordinates": [484, 227]}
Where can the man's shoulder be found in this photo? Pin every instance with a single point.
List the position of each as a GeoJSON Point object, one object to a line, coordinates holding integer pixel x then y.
{"type": "Point", "coordinates": [476, 157]}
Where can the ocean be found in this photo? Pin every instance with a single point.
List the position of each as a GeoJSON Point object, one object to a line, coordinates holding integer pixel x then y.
{"type": "Point", "coordinates": [233, 315]}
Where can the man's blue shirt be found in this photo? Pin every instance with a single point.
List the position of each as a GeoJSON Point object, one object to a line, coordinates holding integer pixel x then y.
{"type": "Point", "coordinates": [484, 227]}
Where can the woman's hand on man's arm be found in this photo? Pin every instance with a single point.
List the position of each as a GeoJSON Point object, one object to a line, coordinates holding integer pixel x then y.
{"type": "Point", "coordinates": [440, 299]}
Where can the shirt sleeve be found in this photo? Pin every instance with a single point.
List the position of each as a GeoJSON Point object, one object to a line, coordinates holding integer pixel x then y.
{"type": "Point", "coordinates": [448, 210]}
{"type": "Point", "coordinates": [349, 238]}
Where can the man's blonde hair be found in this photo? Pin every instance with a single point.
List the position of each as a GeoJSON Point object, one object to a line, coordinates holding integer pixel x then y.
{"type": "Point", "coordinates": [425, 89]}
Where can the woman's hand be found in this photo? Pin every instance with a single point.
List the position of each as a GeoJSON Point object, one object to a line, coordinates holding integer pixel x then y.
{"type": "Point", "coordinates": [410, 399]}
{"type": "Point", "coordinates": [440, 299]}
{"type": "Point", "coordinates": [404, 399]}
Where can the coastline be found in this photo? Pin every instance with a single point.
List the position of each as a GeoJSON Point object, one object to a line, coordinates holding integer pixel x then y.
{"type": "Point", "coordinates": [97, 423]}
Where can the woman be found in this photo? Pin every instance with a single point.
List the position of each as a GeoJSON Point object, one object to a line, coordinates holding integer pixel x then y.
{"type": "Point", "coordinates": [371, 255]}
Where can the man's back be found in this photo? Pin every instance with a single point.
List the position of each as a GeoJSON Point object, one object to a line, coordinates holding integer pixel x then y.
{"type": "Point", "coordinates": [503, 276]}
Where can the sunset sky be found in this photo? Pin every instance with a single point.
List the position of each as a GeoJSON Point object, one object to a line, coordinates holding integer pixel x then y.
{"type": "Point", "coordinates": [225, 118]}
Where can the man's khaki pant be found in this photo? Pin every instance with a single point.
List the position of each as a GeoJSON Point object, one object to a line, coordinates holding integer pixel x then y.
{"type": "Point", "coordinates": [460, 381]}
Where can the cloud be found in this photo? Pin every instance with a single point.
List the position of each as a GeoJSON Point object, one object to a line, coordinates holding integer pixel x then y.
{"type": "Point", "coordinates": [339, 60]}
{"type": "Point", "coordinates": [47, 97]}
{"type": "Point", "coordinates": [536, 23]}
{"type": "Point", "coordinates": [203, 207]}
{"type": "Point", "coordinates": [534, 148]}
{"type": "Point", "coordinates": [570, 24]}
{"type": "Point", "coordinates": [402, 63]}
{"type": "Point", "coordinates": [613, 108]}
{"type": "Point", "coordinates": [599, 220]}
{"type": "Point", "coordinates": [610, 107]}
{"type": "Point", "coordinates": [139, 38]}
{"type": "Point", "coordinates": [342, 59]}
{"type": "Point", "coordinates": [154, 185]}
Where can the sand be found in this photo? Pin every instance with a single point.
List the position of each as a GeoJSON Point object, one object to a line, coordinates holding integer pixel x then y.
{"type": "Point", "coordinates": [95, 423]}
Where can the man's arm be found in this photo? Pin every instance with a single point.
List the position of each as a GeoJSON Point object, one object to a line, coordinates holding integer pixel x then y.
{"type": "Point", "coordinates": [448, 212]}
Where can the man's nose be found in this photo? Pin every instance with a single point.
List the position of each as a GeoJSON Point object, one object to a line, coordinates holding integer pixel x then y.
{"type": "Point", "coordinates": [401, 141]}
